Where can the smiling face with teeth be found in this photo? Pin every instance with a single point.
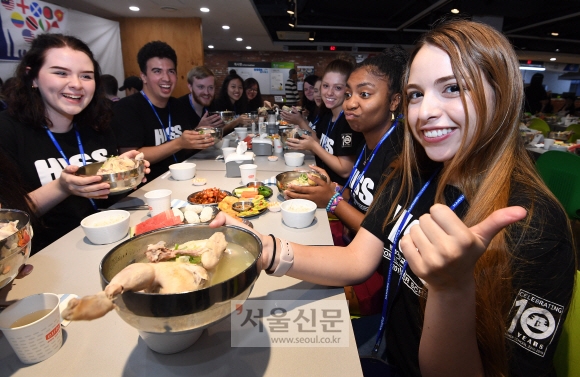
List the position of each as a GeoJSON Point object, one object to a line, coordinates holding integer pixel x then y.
{"type": "Point", "coordinates": [332, 90]}
{"type": "Point", "coordinates": [66, 83]}
{"type": "Point", "coordinates": [436, 114]}
{"type": "Point", "coordinates": [159, 80]}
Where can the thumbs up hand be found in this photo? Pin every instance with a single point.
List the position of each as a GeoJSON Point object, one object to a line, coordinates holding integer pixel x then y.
{"type": "Point", "coordinates": [443, 251]}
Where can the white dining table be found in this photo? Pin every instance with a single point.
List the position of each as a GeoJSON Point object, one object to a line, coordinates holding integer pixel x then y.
{"type": "Point", "coordinates": [110, 347]}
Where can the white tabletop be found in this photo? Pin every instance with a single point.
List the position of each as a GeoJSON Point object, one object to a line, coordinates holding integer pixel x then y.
{"type": "Point", "coordinates": [110, 347]}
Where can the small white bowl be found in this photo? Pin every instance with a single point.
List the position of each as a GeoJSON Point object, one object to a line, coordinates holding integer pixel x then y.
{"type": "Point", "coordinates": [106, 227]}
{"type": "Point", "coordinates": [182, 171]}
{"type": "Point", "coordinates": [298, 213]}
{"type": "Point", "coordinates": [294, 158]}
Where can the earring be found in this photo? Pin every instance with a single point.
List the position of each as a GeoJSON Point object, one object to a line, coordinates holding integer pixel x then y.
{"type": "Point", "coordinates": [392, 117]}
{"type": "Point", "coordinates": [34, 87]}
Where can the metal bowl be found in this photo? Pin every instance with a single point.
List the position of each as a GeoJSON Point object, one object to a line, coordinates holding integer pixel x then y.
{"type": "Point", "coordinates": [242, 205]}
{"type": "Point", "coordinates": [227, 116]}
{"type": "Point", "coordinates": [187, 312]}
{"type": "Point", "coordinates": [14, 249]}
{"type": "Point", "coordinates": [119, 182]}
{"type": "Point", "coordinates": [283, 179]}
{"type": "Point", "coordinates": [216, 132]}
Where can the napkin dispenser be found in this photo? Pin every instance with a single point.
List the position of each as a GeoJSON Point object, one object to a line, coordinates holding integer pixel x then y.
{"type": "Point", "coordinates": [262, 147]}
{"type": "Point", "coordinates": [233, 162]}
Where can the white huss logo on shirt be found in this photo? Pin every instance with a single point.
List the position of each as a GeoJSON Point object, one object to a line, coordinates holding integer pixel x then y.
{"type": "Point", "coordinates": [161, 137]}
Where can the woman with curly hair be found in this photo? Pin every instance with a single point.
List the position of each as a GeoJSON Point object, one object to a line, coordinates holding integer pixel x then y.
{"type": "Point", "coordinates": [58, 120]}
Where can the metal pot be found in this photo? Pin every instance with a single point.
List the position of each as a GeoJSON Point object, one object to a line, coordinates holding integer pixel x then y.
{"type": "Point", "coordinates": [187, 311]}
{"type": "Point", "coordinates": [14, 249]}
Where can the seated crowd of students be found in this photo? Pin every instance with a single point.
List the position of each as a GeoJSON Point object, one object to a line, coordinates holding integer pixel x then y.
{"type": "Point", "coordinates": [444, 222]}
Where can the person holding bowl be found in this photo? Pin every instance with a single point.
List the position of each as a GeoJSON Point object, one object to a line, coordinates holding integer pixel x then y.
{"type": "Point", "coordinates": [335, 143]}
{"type": "Point", "coordinates": [59, 120]}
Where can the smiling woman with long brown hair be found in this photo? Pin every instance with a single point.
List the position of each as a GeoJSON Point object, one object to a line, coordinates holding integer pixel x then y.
{"type": "Point", "coordinates": [481, 281]}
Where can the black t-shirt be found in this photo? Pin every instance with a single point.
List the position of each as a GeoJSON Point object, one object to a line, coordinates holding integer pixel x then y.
{"type": "Point", "coordinates": [362, 196]}
{"type": "Point", "coordinates": [136, 125]}
{"type": "Point", "coordinates": [338, 140]}
{"type": "Point", "coordinates": [188, 109]}
{"type": "Point", "coordinates": [543, 277]}
{"type": "Point", "coordinates": [238, 108]}
{"type": "Point", "coordinates": [40, 162]}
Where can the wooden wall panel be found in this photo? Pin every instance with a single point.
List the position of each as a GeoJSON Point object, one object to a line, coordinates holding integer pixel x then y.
{"type": "Point", "coordinates": [183, 34]}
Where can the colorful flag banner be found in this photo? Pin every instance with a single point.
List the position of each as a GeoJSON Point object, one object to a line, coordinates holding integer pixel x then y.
{"type": "Point", "coordinates": [22, 20]}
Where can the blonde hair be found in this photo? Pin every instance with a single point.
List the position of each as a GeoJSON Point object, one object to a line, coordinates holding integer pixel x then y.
{"type": "Point", "coordinates": [486, 169]}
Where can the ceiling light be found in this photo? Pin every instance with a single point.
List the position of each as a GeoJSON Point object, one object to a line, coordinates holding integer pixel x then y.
{"type": "Point", "coordinates": [291, 7]}
{"type": "Point", "coordinates": [210, 46]}
{"type": "Point", "coordinates": [454, 10]}
{"type": "Point", "coordinates": [532, 68]}
{"type": "Point", "coordinates": [204, 9]}
{"type": "Point", "coordinates": [169, 9]}
{"type": "Point", "coordinates": [555, 34]}
{"type": "Point", "coordinates": [292, 21]}
{"type": "Point", "coordinates": [134, 8]}
{"type": "Point", "coordinates": [248, 47]}
{"type": "Point", "coordinates": [552, 59]}
{"type": "Point", "coordinates": [311, 36]}
{"type": "Point", "coordinates": [239, 39]}
{"type": "Point", "coordinates": [226, 27]}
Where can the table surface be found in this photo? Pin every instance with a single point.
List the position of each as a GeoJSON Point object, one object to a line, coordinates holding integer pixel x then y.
{"type": "Point", "coordinates": [110, 347]}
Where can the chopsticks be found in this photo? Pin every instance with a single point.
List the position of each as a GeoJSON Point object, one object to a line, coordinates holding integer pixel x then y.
{"type": "Point", "coordinates": [128, 208]}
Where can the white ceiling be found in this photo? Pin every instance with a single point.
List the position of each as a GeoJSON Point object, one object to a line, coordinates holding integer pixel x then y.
{"type": "Point", "coordinates": [240, 15]}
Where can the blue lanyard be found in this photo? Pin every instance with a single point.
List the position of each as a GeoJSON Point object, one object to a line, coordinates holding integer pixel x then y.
{"type": "Point", "coordinates": [167, 130]}
{"type": "Point", "coordinates": [384, 314]}
{"type": "Point", "coordinates": [356, 182]}
{"type": "Point", "coordinates": [191, 103]}
{"type": "Point", "coordinates": [329, 130]}
{"type": "Point", "coordinates": [81, 150]}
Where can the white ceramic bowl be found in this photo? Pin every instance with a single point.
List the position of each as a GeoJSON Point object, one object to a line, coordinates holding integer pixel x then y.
{"type": "Point", "coordinates": [294, 158]}
{"type": "Point", "coordinates": [298, 213]}
{"type": "Point", "coordinates": [106, 227]}
{"type": "Point", "coordinates": [182, 171]}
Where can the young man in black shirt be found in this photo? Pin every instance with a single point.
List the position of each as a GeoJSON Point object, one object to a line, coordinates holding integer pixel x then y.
{"type": "Point", "coordinates": [201, 84]}
{"type": "Point", "coordinates": [154, 122]}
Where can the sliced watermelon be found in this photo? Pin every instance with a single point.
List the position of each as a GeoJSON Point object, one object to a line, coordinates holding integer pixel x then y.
{"type": "Point", "coordinates": [161, 220]}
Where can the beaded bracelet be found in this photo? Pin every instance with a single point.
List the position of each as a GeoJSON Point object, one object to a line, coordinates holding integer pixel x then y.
{"type": "Point", "coordinates": [335, 202]}
{"type": "Point", "coordinates": [273, 254]}
{"type": "Point", "coordinates": [336, 194]}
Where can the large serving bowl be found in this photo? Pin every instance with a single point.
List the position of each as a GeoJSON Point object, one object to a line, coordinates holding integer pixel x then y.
{"type": "Point", "coordinates": [14, 249]}
{"type": "Point", "coordinates": [169, 323]}
{"type": "Point", "coordinates": [283, 179]}
{"type": "Point", "coordinates": [119, 182]}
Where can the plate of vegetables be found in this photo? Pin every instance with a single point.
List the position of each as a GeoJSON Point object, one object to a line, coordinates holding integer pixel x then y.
{"type": "Point", "coordinates": [252, 192]}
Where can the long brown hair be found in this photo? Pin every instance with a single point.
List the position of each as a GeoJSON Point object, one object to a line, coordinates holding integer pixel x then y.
{"type": "Point", "coordinates": [486, 169]}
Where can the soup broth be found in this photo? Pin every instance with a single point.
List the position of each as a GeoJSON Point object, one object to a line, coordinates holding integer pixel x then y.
{"type": "Point", "coordinates": [29, 318]}
{"type": "Point", "coordinates": [234, 260]}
